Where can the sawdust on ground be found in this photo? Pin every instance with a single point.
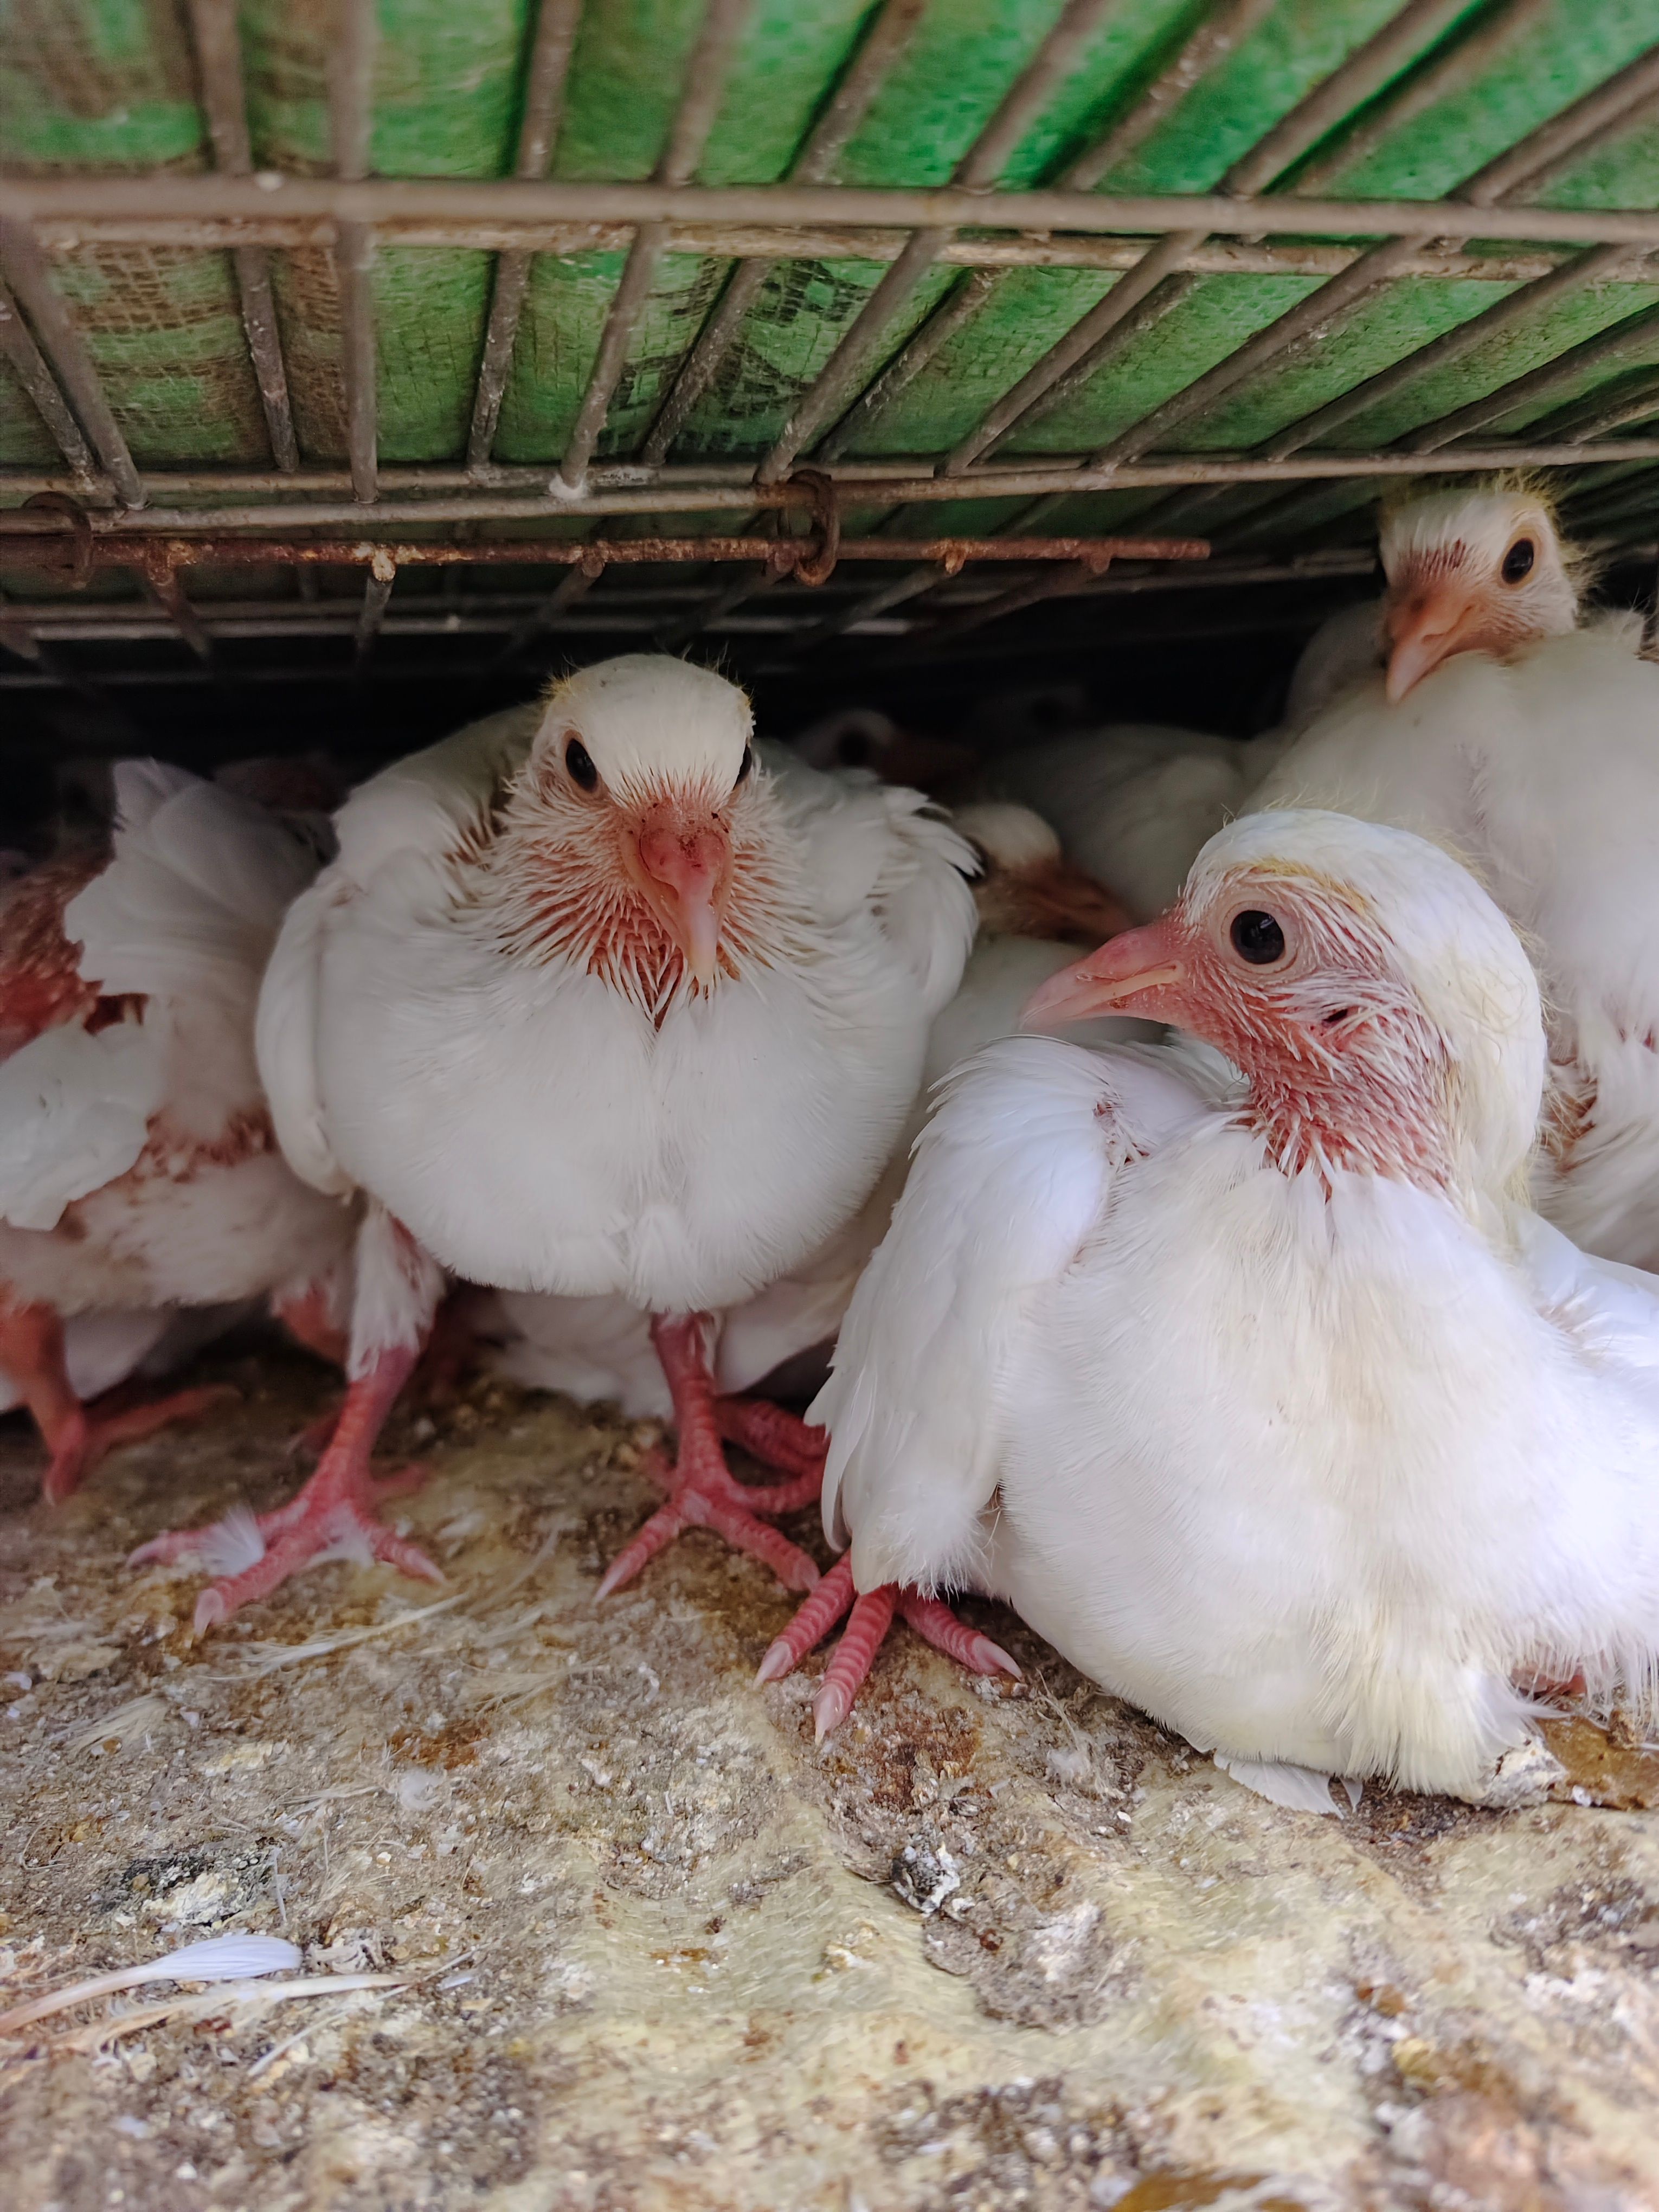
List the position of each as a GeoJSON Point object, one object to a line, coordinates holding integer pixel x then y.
{"type": "Point", "coordinates": [993, 1948]}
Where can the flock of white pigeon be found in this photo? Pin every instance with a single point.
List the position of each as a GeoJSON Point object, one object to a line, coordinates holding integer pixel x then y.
{"type": "Point", "coordinates": [1255, 1305]}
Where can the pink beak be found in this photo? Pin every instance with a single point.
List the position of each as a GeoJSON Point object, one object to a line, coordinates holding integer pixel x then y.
{"type": "Point", "coordinates": [1426, 628]}
{"type": "Point", "coordinates": [685, 871]}
{"type": "Point", "coordinates": [1139, 973]}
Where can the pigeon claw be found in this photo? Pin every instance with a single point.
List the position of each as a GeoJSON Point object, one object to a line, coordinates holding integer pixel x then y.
{"type": "Point", "coordinates": [89, 1433]}
{"type": "Point", "coordinates": [692, 1506]}
{"type": "Point", "coordinates": [869, 1618]}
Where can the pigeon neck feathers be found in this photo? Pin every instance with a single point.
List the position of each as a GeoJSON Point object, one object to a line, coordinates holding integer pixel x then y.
{"type": "Point", "coordinates": [641, 842]}
{"type": "Point", "coordinates": [1380, 1007]}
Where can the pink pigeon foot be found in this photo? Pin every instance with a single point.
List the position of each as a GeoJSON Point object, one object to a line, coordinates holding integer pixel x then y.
{"type": "Point", "coordinates": [332, 1517]}
{"type": "Point", "coordinates": [703, 1491]}
{"type": "Point", "coordinates": [32, 1354]}
{"type": "Point", "coordinates": [869, 1619]}
{"type": "Point", "coordinates": [90, 1432]}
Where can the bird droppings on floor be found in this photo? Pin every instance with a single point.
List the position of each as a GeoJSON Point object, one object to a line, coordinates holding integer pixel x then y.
{"type": "Point", "coordinates": [587, 1924]}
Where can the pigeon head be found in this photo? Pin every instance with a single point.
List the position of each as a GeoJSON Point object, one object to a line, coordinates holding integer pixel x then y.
{"type": "Point", "coordinates": [1026, 887]}
{"type": "Point", "coordinates": [642, 838]}
{"type": "Point", "coordinates": [1482, 571]}
{"type": "Point", "coordinates": [1376, 1000]}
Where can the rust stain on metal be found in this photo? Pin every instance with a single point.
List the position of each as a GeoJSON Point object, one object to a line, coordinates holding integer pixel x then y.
{"type": "Point", "coordinates": [804, 558]}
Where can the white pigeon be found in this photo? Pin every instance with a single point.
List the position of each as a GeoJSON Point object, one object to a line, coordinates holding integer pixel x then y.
{"type": "Point", "coordinates": [594, 1001]}
{"type": "Point", "coordinates": [1034, 910]}
{"type": "Point", "coordinates": [139, 1171]}
{"type": "Point", "coordinates": [1531, 748]}
{"type": "Point", "coordinates": [1272, 1406]}
{"type": "Point", "coordinates": [1482, 570]}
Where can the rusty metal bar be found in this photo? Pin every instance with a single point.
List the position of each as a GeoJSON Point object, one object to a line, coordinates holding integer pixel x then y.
{"type": "Point", "coordinates": [705, 82]}
{"type": "Point", "coordinates": [553, 43]}
{"type": "Point", "coordinates": [1607, 349]}
{"type": "Point", "coordinates": [351, 95]}
{"type": "Point", "coordinates": [377, 591]}
{"type": "Point", "coordinates": [29, 366]}
{"type": "Point", "coordinates": [219, 64]}
{"type": "Point", "coordinates": [124, 549]}
{"type": "Point", "coordinates": [549, 613]}
{"type": "Point", "coordinates": [160, 579]}
{"type": "Point", "coordinates": [832, 390]}
{"type": "Point", "coordinates": [60, 343]}
{"type": "Point", "coordinates": [149, 204]}
{"type": "Point", "coordinates": [889, 33]}
{"type": "Point", "coordinates": [723, 242]}
{"type": "Point", "coordinates": [504, 610]}
{"type": "Point", "coordinates": [859, 487]}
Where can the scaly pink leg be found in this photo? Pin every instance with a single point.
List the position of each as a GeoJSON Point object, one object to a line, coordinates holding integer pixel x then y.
{"type": "Point", "coordinates": [702, 1491]}
{"type": "Point", "coordinates": [77, 1435]}
{"type": "Point", "coordinates": [91, 1432]}
{"type": "Point", "coordinates": [870, 1618]}
{"type": "Point", "coordinates": [332, 1517]}
{"type": "Point", "coordinates": [776, 1438]}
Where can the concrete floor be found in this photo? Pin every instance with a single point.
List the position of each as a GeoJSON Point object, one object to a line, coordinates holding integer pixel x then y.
{"type": "Point", "coordinates": [654, 1950]}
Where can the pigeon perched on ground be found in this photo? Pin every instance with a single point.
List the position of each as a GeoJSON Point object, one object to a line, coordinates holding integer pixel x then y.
{"type": "Point", "coordinates": [1268, 1401]}
{"type": "Point", "coordinates": [594, 1000]}
{"type": "Point", "coordinates": [139, 1176]}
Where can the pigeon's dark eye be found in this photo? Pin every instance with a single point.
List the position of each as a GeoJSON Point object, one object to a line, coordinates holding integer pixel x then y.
{"type": "Point", "coordinates": [744, 764]}
{"type": "Point", "coordinates": [1257, 937]}
{"type": "Point", "coordinates": [1517, 561]}
{"type": "Point", "coordinates": [580, 761]}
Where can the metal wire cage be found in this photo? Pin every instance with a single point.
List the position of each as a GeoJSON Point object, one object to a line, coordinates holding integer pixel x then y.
{"type": "Point", "coordinates": [911, 315]}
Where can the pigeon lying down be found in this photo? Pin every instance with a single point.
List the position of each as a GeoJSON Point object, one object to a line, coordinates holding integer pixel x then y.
{"type": "Point", "coordinates": [1268, 1401]}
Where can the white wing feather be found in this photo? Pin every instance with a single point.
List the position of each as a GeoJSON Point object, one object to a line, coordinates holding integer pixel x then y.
{"type": "Point", "coordinates": [422, 805]}
{"type": "Point", "coordinates": [75, 1113]}
{"type": "Point", "coordinates": [883, 843]}
{"type": "Point", "coordinates": [194, 893]}
{"type": "Point", "coordinates": [425, 803]}
{"type": "Point", "coordinates": [285, 1042]}
{"type": "Point", "coordinates": [1011, 1175]}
